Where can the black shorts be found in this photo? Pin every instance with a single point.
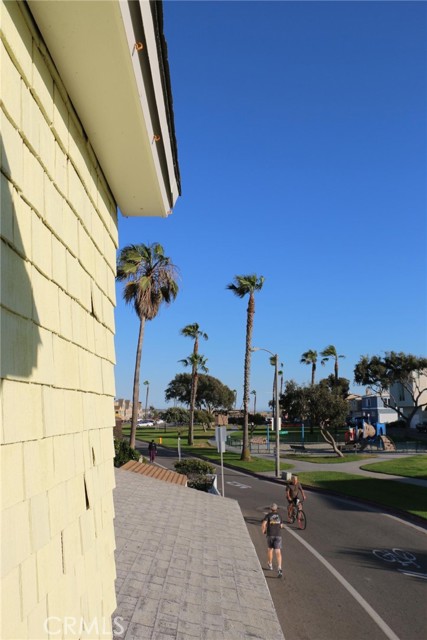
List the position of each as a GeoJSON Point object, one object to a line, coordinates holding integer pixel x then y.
{"type": "Point", "coordinates": [274, 542]}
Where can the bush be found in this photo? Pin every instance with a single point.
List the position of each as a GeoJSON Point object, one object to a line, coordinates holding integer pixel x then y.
{"type": "Point", "coordinates": [201, 483]}
{"type": "Point", "coordinates": [198, 472]}
{"type": "Point", "coordinates": [124, 453]}
{"type": "Point", "coordinates": [195, 467]}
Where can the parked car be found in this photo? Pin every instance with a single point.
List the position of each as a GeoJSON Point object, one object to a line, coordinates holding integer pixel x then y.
{"type": "Point", "coordinates": [422, 427]}
{"type": "Point", "coordinates": [145, 423]}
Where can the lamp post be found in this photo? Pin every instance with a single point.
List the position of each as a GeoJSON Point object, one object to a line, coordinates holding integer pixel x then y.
{"type": "Point", "coordinates": [276, 405]}
{"type": "Point", "coordinates": [147, 384]}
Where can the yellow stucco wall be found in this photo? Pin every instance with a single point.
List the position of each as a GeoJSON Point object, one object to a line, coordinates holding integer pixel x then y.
{"type": "Point", "coordinates": [58, 253]}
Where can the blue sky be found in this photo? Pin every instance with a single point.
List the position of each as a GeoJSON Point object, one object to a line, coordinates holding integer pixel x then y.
{"type": "Point", "coordinates": [302, 142]}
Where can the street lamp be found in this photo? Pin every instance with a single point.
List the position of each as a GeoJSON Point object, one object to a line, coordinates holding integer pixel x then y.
{"type": "Point", "coordinates": [276, 405]}
{"type": "Point", "coordinates": [147, 384]}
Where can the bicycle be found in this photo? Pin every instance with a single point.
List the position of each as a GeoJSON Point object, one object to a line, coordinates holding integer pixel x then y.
{"type": "Point", "coordinates": [298, 514]}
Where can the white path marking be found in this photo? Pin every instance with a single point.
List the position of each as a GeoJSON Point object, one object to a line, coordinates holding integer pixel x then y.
{"type": "Point", "coordinates": [423, 576]}
{"type": "Point", "coordinates": [352, 591]}
{"type": "Point", "coordinates": [238, 484]}
{"type": "Point", "coordinates": [408, 524]}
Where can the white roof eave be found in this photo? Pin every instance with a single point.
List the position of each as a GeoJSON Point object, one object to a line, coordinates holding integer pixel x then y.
{"type": "Point", "coordinates": [94, 48]}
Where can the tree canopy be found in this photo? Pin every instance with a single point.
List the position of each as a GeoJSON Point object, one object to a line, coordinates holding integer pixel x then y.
{"type": "Point", "coordinates": [330, 353]}
{"type": "Point", "coordinates": [310, 357]}
{"type": "Point", "coordinates": [212, 394]}
{"type": "Point", "coordinates": [318, 404]}
{"type": "Point", "coordinates": [340, 385]}
{"type": "Point", "coordinates": [381, 373]}
{"type": "Point", "coordinates": [176, 414]}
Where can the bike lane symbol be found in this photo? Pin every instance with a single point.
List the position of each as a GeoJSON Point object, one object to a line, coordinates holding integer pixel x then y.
{"type": "Point", "coordinates": [406, 559]}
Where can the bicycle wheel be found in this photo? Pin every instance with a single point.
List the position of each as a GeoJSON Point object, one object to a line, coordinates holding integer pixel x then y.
{"type": "Point", "coordinates": [301, 520]}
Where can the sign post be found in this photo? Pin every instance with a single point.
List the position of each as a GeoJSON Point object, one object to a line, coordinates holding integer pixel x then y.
{"type": "Point", "coordinates": [220, 437]}
{"type": "Point", "coordinates": [179, 448]}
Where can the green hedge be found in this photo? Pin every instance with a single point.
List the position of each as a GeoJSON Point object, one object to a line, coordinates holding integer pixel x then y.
{"type": "Point", "coordinates": [198, 473]}
{"type": "Point", "coordinates": [192, 466]}
{"type": "Point", "coordinates": [124, 453]}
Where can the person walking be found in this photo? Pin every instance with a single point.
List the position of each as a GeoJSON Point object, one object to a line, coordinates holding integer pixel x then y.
{"type": "Point", "coordinates": [152, 450]}
{"type": "Point", "coordinates": [292, 492]}
{"type": "Point", "coordinates": [271, 527]}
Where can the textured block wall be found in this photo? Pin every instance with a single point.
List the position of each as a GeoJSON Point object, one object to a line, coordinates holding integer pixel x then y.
{"type": "Point", "coordinates": [58, 248]}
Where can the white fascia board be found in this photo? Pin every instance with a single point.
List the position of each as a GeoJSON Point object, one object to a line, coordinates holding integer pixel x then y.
{"type": "Point", "coordinates": [152, 134]}
{"type": "Point", "coordinates": [93, 47]}
{"type": "Point", "coordinates": [147, 19]}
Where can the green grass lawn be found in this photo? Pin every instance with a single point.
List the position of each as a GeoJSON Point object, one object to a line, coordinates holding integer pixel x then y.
{"type": "Point", "coordinates": [388, 493]}
{"type": "Point", "coordinates": [409, 467]}
{"type": "Point", "coordinates": [330, 459]}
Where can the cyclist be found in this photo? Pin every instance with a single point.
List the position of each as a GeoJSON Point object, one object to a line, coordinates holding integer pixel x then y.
{"type": "Point", "coordinates": [292, 491]}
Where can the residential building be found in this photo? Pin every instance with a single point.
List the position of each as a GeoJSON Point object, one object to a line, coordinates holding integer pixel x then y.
{"type": "Point", "coordinates": [123, 409]}
{"type": "Point", "coordinates": [86, 128]}
{"type": "Point", "coordinates": [410, 396]}
{"type": "Point", "coordinates": [354, 402]}
{"type": "Point", "coordinates": [376, 408]}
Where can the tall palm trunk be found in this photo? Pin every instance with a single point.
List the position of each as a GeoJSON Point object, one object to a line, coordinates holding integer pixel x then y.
{"type": "Point", "coordinates": [336, 369]}
{"type": "Point", "coordinates": [194, 381]}
{"type": "Point", "coordinates": [313, 373]}
{"type": "Point", "coordinates": [193, 393]}
{"type": "Point", "coordinates": [246, 454]}
{"type": "Point", "coordinates": [135, 401]}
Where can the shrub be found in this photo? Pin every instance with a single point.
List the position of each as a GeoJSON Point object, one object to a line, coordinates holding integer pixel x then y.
{"type": "Point", "coordinates": [124, 453]}
{"type": "Point", "coordinates": [201, 483]}
{"type": "Point", "coordinates": [192, 466]}
{"type": "Point", "coordinates": [198, 472]}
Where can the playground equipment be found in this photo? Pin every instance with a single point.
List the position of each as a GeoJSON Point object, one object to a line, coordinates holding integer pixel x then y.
{"type": "Point", "coordinates": [362, 434]}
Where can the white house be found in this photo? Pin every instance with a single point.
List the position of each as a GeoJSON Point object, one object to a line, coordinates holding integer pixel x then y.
{"type": "Point", "coordinates": [412, 394]}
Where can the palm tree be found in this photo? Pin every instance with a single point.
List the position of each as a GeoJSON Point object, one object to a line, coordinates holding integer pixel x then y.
{"type": "Point", "coordinates": [254, 395]}
{"type": "Point", "coordinates": [331, 352]}
{"type": "Point", "coordinates": [235, 397]}
{"type": "Point", "coordinates": [243, 286]}
{"type": "Point", "coordinates": [151, 280]}
{"type": "Point", "coordinates": [147, 384]}
{"type": "Point", "coordinates": [310, 357]}
{"type": "Point", "coordinates": [280, 373]}
{"type": "Point", "coordinates": [193, 331]}
{"type": "Point", "coordinates": [197, 363]}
